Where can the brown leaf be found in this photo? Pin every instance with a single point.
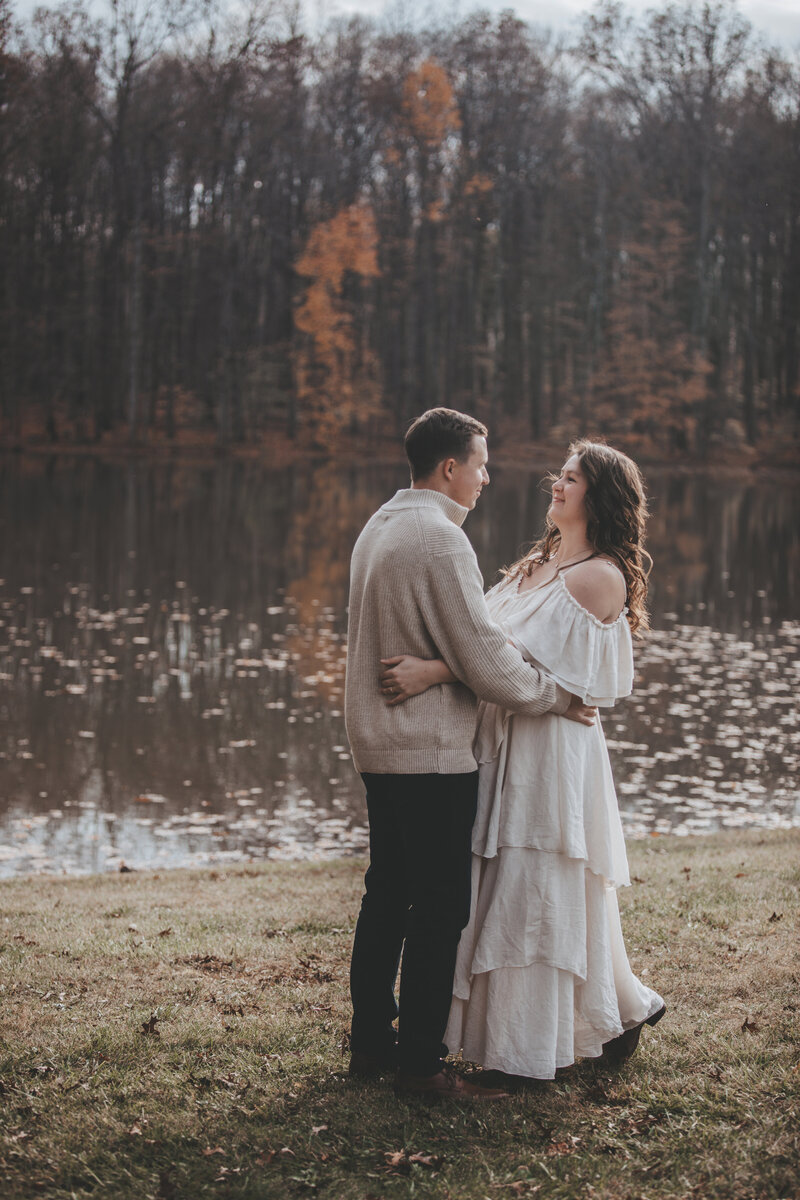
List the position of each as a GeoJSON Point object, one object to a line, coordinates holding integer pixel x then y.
{"type": "Point", "coordinates": [749, 1026]}
{"type": "Point", "coordinates": [134, 1131]}
{"type": "Point", "coordinates": [740, 874]}
{"type": "Point", "coordinates": [775, 917]}
{"type": "Point", "coordinates": [397, 1160]}
{"type": "Point", "coordinates": [165, 932]}
{"type": "Point", "coordinates": [567, 1147]}
{"type": "Point", "coordinates": [318, 1128]}
{"type": "Point", "coordinates": [20, 937]}
{"type": "Point", "coordinates": [401, 1161]}
{"type": "Point", "coordinates": [212, 1150]}
{"type": "Point", "coordinates": [149, 1027]}
{"type": "Point", "coordinates": [434, 1161]}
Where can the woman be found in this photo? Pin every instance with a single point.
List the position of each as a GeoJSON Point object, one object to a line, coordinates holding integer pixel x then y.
{"type": "Point", "coordinates": [542, 976]}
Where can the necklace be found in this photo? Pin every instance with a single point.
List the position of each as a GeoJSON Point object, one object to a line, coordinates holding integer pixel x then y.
{"type": "Point", "coordinates": [569, 563]}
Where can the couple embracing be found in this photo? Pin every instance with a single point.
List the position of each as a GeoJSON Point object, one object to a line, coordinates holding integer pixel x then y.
{"type": "Point", "coordinates": [492, 811]}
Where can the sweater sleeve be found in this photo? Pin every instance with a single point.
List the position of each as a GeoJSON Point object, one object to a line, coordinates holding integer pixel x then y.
{"type": "Point", "coordinates": [475, 649]}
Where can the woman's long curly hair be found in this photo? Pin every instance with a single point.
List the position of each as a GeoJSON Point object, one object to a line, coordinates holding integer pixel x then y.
{"type": "Point", "coordinates": [616, 507]}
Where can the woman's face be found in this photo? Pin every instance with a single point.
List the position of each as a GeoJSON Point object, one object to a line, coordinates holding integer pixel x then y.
{"type": "Point", "coordinates": [567, 507]}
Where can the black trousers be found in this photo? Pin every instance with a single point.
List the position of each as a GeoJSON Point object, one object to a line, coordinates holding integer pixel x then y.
{"type": "Point", "coordinates": [416, 903]}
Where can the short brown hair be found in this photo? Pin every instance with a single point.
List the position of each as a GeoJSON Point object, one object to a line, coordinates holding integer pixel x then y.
{"type": "Point", "coordinates": [438, 434]}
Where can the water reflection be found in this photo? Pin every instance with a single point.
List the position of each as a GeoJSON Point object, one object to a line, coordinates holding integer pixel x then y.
{"type": "Point", "coordinates": [172, 657]}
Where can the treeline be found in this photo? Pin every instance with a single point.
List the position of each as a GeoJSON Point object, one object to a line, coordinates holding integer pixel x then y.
{"type": "Point", "coordinates": [225, 226]}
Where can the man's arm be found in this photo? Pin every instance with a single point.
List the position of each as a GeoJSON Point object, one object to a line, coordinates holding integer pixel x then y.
{"type": "Point", "coordinates": [475, 648]}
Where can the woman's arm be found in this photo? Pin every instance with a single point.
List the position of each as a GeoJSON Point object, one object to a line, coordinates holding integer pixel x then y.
{"type": "Point", "coordinates": [407, 676]}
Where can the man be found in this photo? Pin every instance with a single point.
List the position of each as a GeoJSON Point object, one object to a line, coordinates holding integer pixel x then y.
{"type": "Point", "coordinates": [415, 588]}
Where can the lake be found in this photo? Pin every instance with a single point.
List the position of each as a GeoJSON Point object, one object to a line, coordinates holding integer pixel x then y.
{"type": "Point", "coordinates": [172, 642]}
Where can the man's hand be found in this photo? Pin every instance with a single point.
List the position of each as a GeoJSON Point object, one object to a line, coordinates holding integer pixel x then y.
{"type": "Point", "coordinates": [584, 714]}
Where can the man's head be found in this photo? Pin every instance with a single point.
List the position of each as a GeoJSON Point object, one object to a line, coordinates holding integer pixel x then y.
{"type": "Point", "coordinates": [447, 452]}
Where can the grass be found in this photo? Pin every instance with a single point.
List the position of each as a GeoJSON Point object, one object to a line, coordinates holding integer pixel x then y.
{"type": "Point", "coordinates": [182, 1034]}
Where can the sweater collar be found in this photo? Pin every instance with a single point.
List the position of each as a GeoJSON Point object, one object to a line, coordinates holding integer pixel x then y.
{"type": "Point", "coordinates": [428, 498]}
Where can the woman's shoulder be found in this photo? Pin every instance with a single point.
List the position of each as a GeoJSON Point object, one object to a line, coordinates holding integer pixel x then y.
{"type": "Point", "coordinates": [598, 585]}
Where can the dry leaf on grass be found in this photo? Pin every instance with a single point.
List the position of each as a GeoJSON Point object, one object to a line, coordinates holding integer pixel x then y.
{"type": "Point", "coordinates": [400, 1162]}
{"type": "Point", "coordinates": [209, 1150]}
{"type": "Point", "coordinates": [434, 1161]}
{"type": "Point", "coordinates": [566, 1147]}
{"type": "Point", "coordinates": [149, 1027]}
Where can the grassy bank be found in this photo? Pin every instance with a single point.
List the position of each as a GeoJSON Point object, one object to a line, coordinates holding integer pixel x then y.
{"type": "Point", "coordinates": [181, 1035]}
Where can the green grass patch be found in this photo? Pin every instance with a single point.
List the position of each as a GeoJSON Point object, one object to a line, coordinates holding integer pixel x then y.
{"type": "Point", "coordinates": [183, 1034]}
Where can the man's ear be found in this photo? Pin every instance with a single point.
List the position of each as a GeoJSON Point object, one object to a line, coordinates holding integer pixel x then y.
{"type": "Point", "coordinates": [448, 466]}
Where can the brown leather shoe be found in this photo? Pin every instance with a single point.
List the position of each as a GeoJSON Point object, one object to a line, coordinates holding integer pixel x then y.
{"type": "Point", "coordinates": [620, 1049]}
{"type": "Point", "coordinates": [447, 1084]}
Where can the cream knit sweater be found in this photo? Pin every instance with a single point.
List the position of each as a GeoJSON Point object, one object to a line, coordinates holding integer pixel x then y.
{"type": "Point", "coordinates": [415, 588]}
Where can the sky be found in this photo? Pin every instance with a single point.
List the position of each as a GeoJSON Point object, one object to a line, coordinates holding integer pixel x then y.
{"type": "Point", "coordinates": [777, 20]}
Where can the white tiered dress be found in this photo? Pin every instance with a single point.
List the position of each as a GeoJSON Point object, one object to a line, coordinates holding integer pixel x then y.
{"type": "Point", "coordinates": [542, 976]}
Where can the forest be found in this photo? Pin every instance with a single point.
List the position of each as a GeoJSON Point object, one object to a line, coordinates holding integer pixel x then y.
{"type": "Point", "coordinates": [227, 225]}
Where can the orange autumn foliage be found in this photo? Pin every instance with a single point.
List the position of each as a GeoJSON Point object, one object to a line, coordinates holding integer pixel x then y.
{"type": "Point", "coordinates": [429, 105]}
{"type": "Point", "coordinates": [335, 370]}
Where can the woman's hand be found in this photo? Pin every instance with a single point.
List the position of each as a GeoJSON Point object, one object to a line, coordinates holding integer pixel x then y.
{"type": "Point", "coordinates": [406, 676]}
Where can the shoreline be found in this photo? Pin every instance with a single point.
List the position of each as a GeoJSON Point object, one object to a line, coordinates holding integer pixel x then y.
{"type": "Point", "coordinates": [284, 451]}
{"type": "Point", "coordinates": [233, 861]}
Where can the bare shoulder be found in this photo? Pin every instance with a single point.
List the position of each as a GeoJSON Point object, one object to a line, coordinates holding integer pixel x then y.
{"type": "Point", "coordinates": [599, 586]}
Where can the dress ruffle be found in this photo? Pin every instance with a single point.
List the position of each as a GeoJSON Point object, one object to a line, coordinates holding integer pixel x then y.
{"type": "Point", "coordinates": [591, 658]}
{"type": "Point", "coordinates": [550, 788]}
{"type": "Point", "coordinates": [586, 657]}
{"type": "Point", "coordinates": [530, 1016]}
